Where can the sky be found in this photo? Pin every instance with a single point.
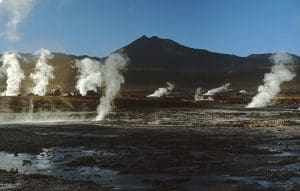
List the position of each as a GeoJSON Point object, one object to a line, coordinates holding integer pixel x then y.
{"type": "Point", "coordinates": [98, 27]}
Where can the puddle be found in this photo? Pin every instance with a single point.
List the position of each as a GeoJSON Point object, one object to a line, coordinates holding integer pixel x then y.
{"type": "Point", "coordinates": [279, 184]}
{"type": "Point", "coordinates": [292, 167]}
{"type": "Point", "coordinates": [279, 150]}
{"type": "Point", "coordinates": [209, 182]}
{"type": "Point", "coordinates": [287, 154]}
{"type": "Point", "coordinates": [7, 186]}
{"type": "Point", "coordinates": [52, 162]}
{"type": "Point", "coordinates": [64, 133]}
{"type": "Point", "coordinates": [74, 134]}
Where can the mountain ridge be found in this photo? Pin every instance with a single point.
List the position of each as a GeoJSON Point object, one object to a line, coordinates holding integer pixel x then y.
{"type": "Point", "coordinates": [154, 52]}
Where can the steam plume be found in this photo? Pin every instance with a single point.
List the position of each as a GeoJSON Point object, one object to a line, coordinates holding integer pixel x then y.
{"type": "Point", "coordinates": [95, 74]}
{"type": "Point", "coordinates": [17, 11]}
{"type": "Point", "coordinates": [90, 75]}
{"type": "Point", "coordinates": [280, 73]}
{"type": "Point", "coordinates": [13, 72]}
{"type": "Point", "coordinates": [214, 91]}
{"type": "Point", "coordinates": [198, 94]}
{"type": "Point", "coordinates": [43, 72]}
{"type": "Point", "coordinates": [243, 92]}
{"type": "Point", "coordinates": [163, 91]}
{"type": "Point", "coordinates": [112, 79]}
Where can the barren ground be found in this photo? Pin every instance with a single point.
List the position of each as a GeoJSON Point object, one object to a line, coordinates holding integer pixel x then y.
{"type": "Point", "coordinates": [186, 148]}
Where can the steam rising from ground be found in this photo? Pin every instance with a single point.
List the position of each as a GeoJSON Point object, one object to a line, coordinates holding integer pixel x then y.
{"type": "Point", "coordinates": [17, 11]}
{"type": "Point", "coordinates": [243, 92]}
{"type": "Point", "coordinates": [280, 73]}
{"type": "Point", "coordinates": [112, 79]}
{"type": "Point", "coordinates": [94, 74]}
{"type": "Point", "coordinates": [198, 94]}
{"type": "Point", "coordinates": [43, 72]}
{"type": "Point", "coordinates": [13, 72]}
{"type": "Point", "coordinates": [163, 91]}
{"type": "Point", "coordinates": [90, 75]}
{"type": "Point", "coordinates": [214, 91]}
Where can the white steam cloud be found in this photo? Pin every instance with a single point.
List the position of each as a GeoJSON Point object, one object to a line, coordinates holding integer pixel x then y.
{"type": "Point", "coordinates": [112, 79]}
{"type": "Point", "coordinates": [214, 91]}
{"type": "Point", "coordinates": [198, 94]}
{"type": "Point", "coordinates": [94, 74]}
{"type": "Point", "coordinates": [42, 73]}
{"type": "Point", "coordinates": [90, 75]}
{"type": "Point", "coordinates": [243, 92]}
{"type": "Point", "coordinates": [17, 11]}
{"type": "Point", "coordinates": [280, 73]}
{"type": "Point", "coordinates": [163, 91]}
{"type": "Point", "coordinates": [13, 72]}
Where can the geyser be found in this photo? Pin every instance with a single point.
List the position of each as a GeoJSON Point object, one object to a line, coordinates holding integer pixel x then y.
{"type": "Point", "coordinates": [210, 93]}
{"type": "Point", "coordinates": [90, 75]}
{"type": "Point", "coordinates": [112, 79]}
{"type": "Point", "coordinates": [214, 91]}
{"type": "Point", "coordinates": [280, 73]}
{"type": "Point", "coordinates": [42, 73]}
{"type": "Point", "coordinates": [163, 91]}
{"type": "Point", "coordinates": [94, 74]}
{"type": "Point", "coordinates": [198, 94]}
{"type": "Point", "coordinates": [12, 71]}
{"type": "Point", "coordinates": [243, 92]}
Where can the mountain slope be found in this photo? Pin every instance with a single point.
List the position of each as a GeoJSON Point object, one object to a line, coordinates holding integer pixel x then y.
{"type": "Point", "coordinates": [157, 53]}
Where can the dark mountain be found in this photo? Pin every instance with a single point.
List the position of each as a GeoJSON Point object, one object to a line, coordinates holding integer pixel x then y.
{"type": "Point", "coordinates": [157, 53]}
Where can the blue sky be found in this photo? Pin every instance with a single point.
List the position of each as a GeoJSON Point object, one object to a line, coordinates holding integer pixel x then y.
{"type": "Point", "coordinates": [98, 27]}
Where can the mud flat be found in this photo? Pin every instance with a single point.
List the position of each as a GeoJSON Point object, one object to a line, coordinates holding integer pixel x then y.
{"type": "Point", "coordinates": [155, 149]}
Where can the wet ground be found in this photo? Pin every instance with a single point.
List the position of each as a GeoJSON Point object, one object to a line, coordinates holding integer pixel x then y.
{"type": "Point", "coordinates": [152, 149]}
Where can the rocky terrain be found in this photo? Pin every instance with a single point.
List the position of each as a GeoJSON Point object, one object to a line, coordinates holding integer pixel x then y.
{"type": "Point", "coordinates": [155, 149]}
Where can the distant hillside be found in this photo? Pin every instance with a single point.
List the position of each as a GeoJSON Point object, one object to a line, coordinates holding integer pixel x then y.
{"type": "Point", "coordinates": [157, 53]}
